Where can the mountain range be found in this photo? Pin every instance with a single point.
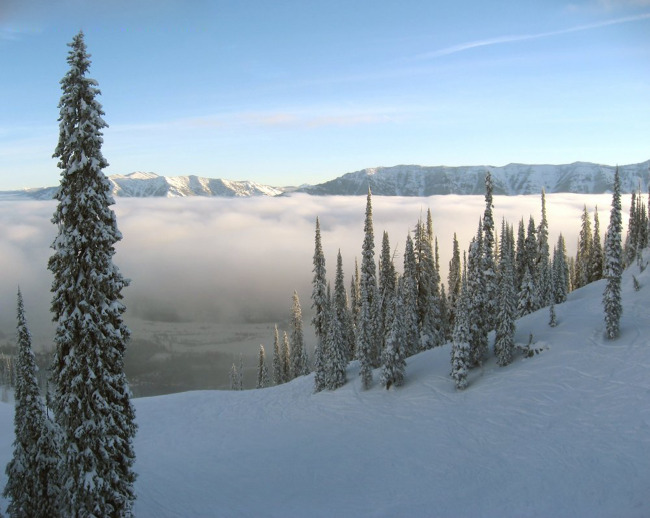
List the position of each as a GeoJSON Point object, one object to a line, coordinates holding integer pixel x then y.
{"type": "Point", "coordinates": [400, 180]}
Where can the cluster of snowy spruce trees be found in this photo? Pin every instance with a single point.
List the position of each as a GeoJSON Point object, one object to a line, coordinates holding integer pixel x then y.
{"type": "Point", "coordinates": [390, 316]}
{"type": "Point", "coordinates": [79, 461]}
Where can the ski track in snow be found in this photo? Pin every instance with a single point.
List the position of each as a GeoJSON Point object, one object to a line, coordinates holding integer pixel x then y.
{"type": "Point", "coordinates": [562, 434]}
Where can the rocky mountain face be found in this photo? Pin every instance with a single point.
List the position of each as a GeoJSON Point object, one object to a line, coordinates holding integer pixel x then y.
{"type": "Point", "coordinates": [401, 180]}
{"type": "Point", "coordinates": [512, 179]}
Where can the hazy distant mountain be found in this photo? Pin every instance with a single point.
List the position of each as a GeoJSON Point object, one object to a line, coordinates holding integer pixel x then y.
{"type": "Point", "coordinates": [401, 180]}
{"type": "Point", "coordinates": [512, 179]}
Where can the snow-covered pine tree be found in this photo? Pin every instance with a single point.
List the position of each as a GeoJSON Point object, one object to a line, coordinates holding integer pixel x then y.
{"type": "Point", "coordinates": [366, 337]}
{"type": "Point", "coordinates": [520, 254]}
{"type": "Point", "coordinates": [585, 242]}
{"type": "Point", "coordinates": [342, 309]}
{"type": "Point", "coordinates": [527, 296]}
{"type": "Point", "coordinates": [460, 348]}
{"type": "Point", "coordinates": [319, 305]}
{"type": "Point", "coordinates": [286, 358]}
{"type": "Point", "coordinates": [262, 370]}
{"type": "Point", "coordinates": [92, 398]}
{"type": "Point", "coordinates": [409, 294]}
{"type": "Point", "coordinates": [632, 233]}
{"type": "Point", "coordinates": [489, 264]}
{"type": "Point", "coordinates": [32, 475]}
{"type": "Point", "coordinates": [298, 351]}
{"type": "Point", "coordinates": [393, 357]}
{"type": "Point", "coordinates": [336, 353]}
{"type": "Point", "coordinates": [544, 285]}
{"type": "Point", "coordinates": [387, 286]}
{"type": "Point", "coordinates": [240, 373]}
{"type": "Point", "coordinates": [476, 300]}
{"type": "Point", "coordinates": [507, 299]}
{"type": "Point", "coordinates": [428, 303]}
{"type": "Point", "coordinates": [454, 281]}
{"type": "Point", "coordinates": [561, 275]}
{"type": "Point", "coordinates": [278, 376]}
{"type": "Point", "coordinates": [355, 296]}
{"type": "Point", "coordinates": [596, 261]}
{"type": "Point", "coordinates": [612, 302]}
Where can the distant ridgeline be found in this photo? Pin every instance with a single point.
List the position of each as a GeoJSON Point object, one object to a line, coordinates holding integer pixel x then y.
{"type": "Point", "coordinates": [401, 180]}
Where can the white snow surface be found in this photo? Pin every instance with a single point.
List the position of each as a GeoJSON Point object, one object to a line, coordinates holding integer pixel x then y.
{"type": "Point", "coordinates": [565, 433]}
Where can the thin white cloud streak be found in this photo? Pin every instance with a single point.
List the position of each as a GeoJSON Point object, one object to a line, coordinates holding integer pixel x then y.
{"type": "Point", "coordinates": [232, 260]}
{"type": "Point", "coordinates": [525, 37]}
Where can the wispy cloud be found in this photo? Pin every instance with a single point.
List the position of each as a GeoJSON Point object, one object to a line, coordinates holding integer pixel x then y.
{"type": "Point", "coordinates": [525, 37]}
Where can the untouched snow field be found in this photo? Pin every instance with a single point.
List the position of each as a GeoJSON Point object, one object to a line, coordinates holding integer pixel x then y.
{"type": "Point", "coordinates": [565, 433]}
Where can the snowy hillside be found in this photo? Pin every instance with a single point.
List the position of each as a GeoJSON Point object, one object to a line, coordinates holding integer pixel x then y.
{"type": "Point", "coordinates": [563, 434]}
{"type": "Point", "coordinates": [512, 179]}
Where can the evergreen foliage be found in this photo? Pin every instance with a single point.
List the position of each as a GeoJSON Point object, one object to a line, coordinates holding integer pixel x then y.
{"type": "Point", "coordinates": [427, 289]}
{"type": "Point", "coordinates": [561, 274]}
{"type": "Point", "coordinates": [612, 302]}
{"type": "Point", "coordinates": [233, 377]}
{"type": "Point", "coordinates": [461, 335]}
{"type": "Point", "coordinates": [342, 310]}
{"type": "Point", "coordinates": [409, 295]}
{"type": "Point", "coordinates": [544, 283]}
{"type": "Point", "coordinates": [387, 286]}
{"type": "Point", "coordinates": [366, 338]}
{"type": "Point", "coordinates": [92, 398]}
{"type": "Point", "coordinates": [319, 304]}
{"type": "Point", "coordinates": [278, 364]}
{"type": "Point", "coordinates": [454, 281]}
{"type": "Point", "coordinates": [336, 353]}
{"type": "Point", "coordinates": [507, 311]}
{"type": "Point", "coordinates": [597, 260]}
{"type": "Point", "coordinates": [393, 358]}
{"type": "Point", "coordinates": [262, 370]}
{"type": "Point", "coordinates": [489, 265]}
{"type": "Point", "coordinates": [286, 358]}
{"type": "Point", "coordinates": [298, 352]}
{"type": "Point", "coordinates": [584, 253]}
{"type": "Point", "coordinates": [476, 300]}
{"type": "Point", "coordinates": [32, 473]}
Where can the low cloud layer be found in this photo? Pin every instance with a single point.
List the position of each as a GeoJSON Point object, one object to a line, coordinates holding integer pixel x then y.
{"type": "Point", "coordinates": [239, 260]}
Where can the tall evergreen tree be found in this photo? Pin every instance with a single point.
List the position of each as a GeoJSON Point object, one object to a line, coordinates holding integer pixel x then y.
{"type": "Point", "coordinates": [583, 257]}
{"type": "Point", "coordinates": [233, 377]}
{"type": "Point", "coordinates": [262, 370]}
{"type": "Point", "coordinates": [92, 397]}
{"type": "Point", "coordinates": [336, 353]}
{"type": "Point", "coordinates": [355, 295]}
{"type": "Point", "coordinates": [489, 263]}
{"type": "Point", "coordinates": [454, 281]}
{"type": "Point", "coordinates": [507, 310]}
{"type": "Point", "coordinates": [298, 352]}
{"type": "Point", "coordinates": [460, 349]}
{"type": "Point", "coordinates": [544, 284]}
{"type": "Point", "coordinates": [342, 310]}
{"type": "Point", "coordinates": [32, 476]}
{"type": "Point", "coordinates": [597, 260]}
{"type": "Point", "coordinates": [278, 364]}
{"type": "Point", "coordinates": [409, 294]}
{"type": "Point", "coordinates": [476, 300]}
{"type": "Point", "coordinates": [612, 301]}
{"type": "Point", "coordinates": [393, 358]}
{"type": "Point", "coordinates": [286, 358]}
{"type": "Point", "coordinates": [520, 255]}
{"type": "Point", "coordinates": [367, 348]}
{"type": "Point", "coordinates": [428, 290]}
{"type": "Point", "coordinates": [319, 304]}
{"type": "Point", "coordinates": [387, 285]}
{"type": "Point", "coordinates": [561, 275]}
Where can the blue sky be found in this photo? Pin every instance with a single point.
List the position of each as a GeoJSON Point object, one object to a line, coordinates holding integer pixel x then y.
{"type": "Point", "coordinates": [287, 92]}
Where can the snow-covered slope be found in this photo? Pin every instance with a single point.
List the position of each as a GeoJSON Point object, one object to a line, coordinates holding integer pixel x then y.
{"type": "Point", "coordinates": [512, 179]}
{"type": "Point", "coordinates": [563, 434]}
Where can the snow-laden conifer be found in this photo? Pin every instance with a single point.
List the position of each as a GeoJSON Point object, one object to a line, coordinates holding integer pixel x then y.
{"type": "Point", "coordinates": [92, 398]}
{"type": "Point", "coordinates": [612, 302]}
{"type": "Point", "coordinates": [319, 305]}
{"type": "Point", "coordinates": [355, 296]}
{"type": "Point", "coordinates": [286, 358]}
{"type": "Point", "coordinates": [233, 377]}
{"type": "Point", "coordinates": [409, 294]}
{"type": "Point", "coordinates": [393, 357]}
{"type": "Point", "coordinates": [298, 352]}
{"type": "Point", "coordinates": [544, 285]}
{"type": "Point", "coordinates": [366, 336]}
{"type": "Point", "coordinates": [278, 364]}
{"type": "Point", "coordinates": [336, 354]}
{"type": "Point", "coordinates": [454, 281]}
{"type": "Point", "coordinates": [597, 259]}
{"type": "Point", "coordinates": [428, 289]}
{"type": "Point", "coordinates": [520, 254]}
{"type": "Point", "coordinates": [490, 281]}
{"type": "Point", "coordinates": [342, 309]}
{"type": "Point", "coordinates": [460, 349]}
{"type": "Point", "coordinates": [386, 287]}
{"type": "Point", "coordinates": [262, 370]}
{"type": "Point", "coordinates": [507, 309]}
{"type": "Point", "coordinates": [584, 253]}
{"type": "Point", "coordinates": [561, 274]}
{"type": "Point", "coordinates": [476, 299]}
{"type": "Point", "coordinates": [32, 473]}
